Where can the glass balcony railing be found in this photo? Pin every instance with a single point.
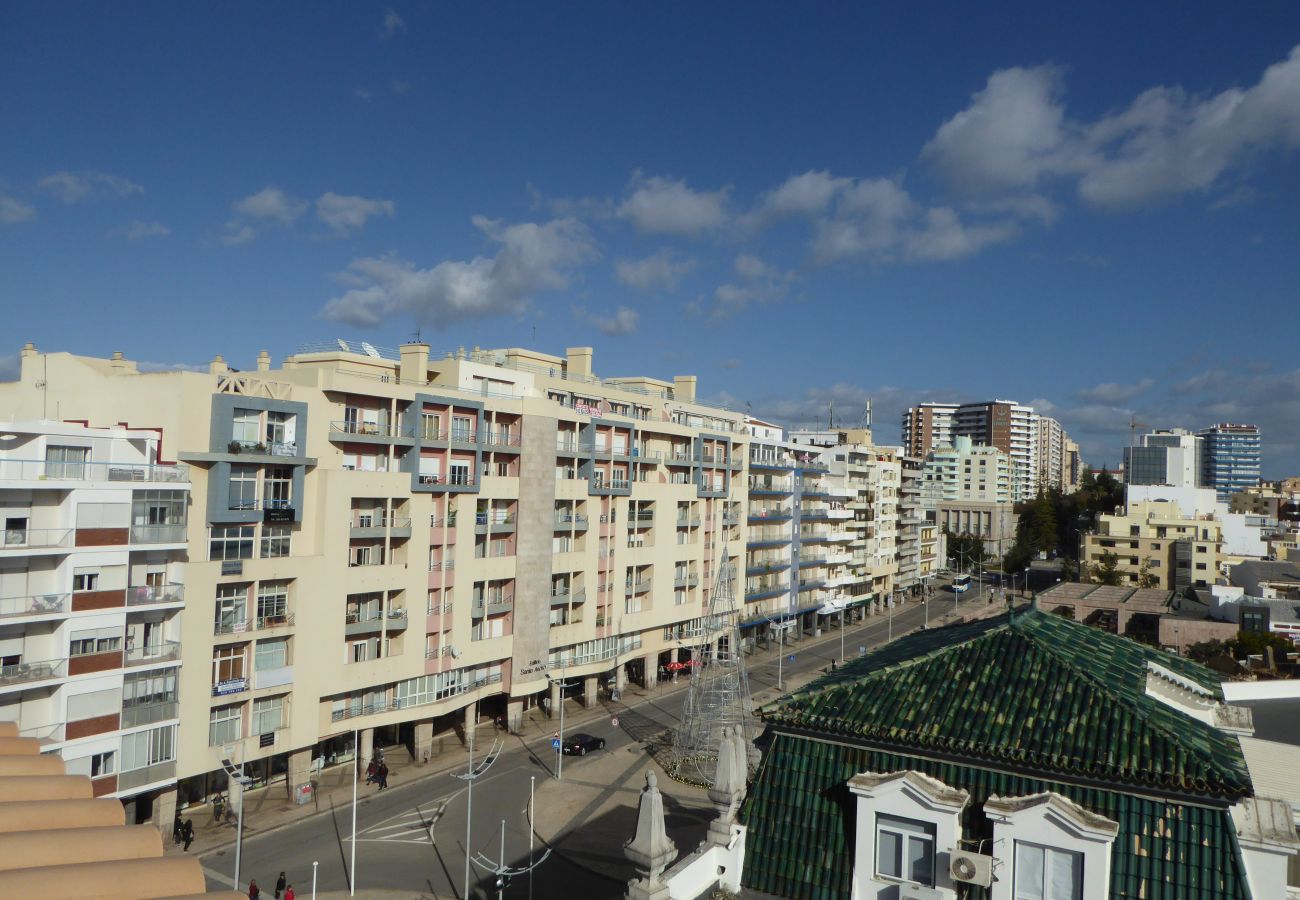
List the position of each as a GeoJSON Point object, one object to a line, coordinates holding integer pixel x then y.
{"type": "Point", "coordinates": [27, 672]}
{"type": "Point", "coordinates": [146, 594]}
{"type": "Point", "coordinates": [37, 605]}
{"type": "Point", "coordinates": [36, 538]}
{"type": "Point", "coordinates": [41, 470]}
{"type": "Point", "coordinates": [163, 651]}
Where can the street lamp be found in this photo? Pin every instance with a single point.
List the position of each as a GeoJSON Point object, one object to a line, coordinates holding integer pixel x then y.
{"type": "Point", "coordinates": [564, 686]}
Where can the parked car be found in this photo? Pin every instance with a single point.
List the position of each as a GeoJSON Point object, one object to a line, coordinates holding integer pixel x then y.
{"type": "Point", "coordinates": [581, 744]}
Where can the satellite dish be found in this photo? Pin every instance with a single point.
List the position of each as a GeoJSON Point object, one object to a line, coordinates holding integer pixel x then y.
{"type": "Point", "coordinates": [455, 654]}
{"type": "Point", "coordinates": [370, 351]}
{"type": "Point", "coordinates": [343, 345]}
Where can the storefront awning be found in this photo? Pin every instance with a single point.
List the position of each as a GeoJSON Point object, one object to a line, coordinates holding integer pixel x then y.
{"type": "Point", "coordinates": [777, 617]}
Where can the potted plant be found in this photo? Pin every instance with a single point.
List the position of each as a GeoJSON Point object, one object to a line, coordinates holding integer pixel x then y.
{"type": "Point", "coordinates": [234, 447]}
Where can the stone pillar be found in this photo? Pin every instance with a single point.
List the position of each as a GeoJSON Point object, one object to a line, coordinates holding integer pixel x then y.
{"type": "Point", "coordinates": [515, 716]}
{"type": "Point", "coordinates": [299, 773]}
{"type": "Point", "coordinates": [164, 811]}
{"type": "Point", "coordinates": [367, 751]}
{"type": "Point", "coordinates": [620, 677]}
{"type": "Point", "coordinates": [650, 663]}
{"type": "Point", "coordinates": [423, 742]}
{"type": "Point", "coordinates": [589, 688]}
{"type": "Point", "coordinates": [651, 850]}
{"type": "Point", "coordinates": [672, 657]}
{"type": "Point", "coordinates": [471, 723]}
{"type": "Point", "coordinates": [555, 699]}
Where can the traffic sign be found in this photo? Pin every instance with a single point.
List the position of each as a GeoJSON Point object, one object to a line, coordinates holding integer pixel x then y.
{"type": "Point", "coordinates": [614, 721]}
{"type": "Point", "coordinates": [555, 743]}
{"type": "Point", "coordinates": [790, 658]}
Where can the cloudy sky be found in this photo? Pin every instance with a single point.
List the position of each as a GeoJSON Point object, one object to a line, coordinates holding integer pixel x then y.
{"type": "Point", "coordinates": [1093, 209]}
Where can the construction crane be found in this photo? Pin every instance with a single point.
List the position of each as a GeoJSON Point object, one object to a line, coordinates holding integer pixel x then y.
{"type": "Point", "coordinates": [1133, 426]}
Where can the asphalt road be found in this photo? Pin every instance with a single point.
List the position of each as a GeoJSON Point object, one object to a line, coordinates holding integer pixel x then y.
{"type": "Point", "coordinates": [412, 835]}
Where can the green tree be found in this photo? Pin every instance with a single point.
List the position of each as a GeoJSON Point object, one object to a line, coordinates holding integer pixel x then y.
{"type": "Point", "coordinates": [1252, 643]}
{"type": "Point", "coordinates": [1147, 578]}
{"type": "Point", "coordinates": [1045, 537]}
{"type": "Point", "coordinates": [965, 551]}
{"type": "Point", "coordinates": [1106, 571]}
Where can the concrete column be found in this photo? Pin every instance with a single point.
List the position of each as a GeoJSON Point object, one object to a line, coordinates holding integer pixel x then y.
{"type": "Point", "coordinates": [555, 699]}
{"type": "Point", "coordinates": [423, 742]}
{"type": "Point", "coordinates": [620, 677]}
{"type": "Point", "coordinates": [515, 716]}
{"type": "Point", "coordinates": [471, 723]}
{"type": "Point", "coordinates": [589, 687]}
{"type": "Point", "coordinates": [164, 811]}
{"type": "Point", "coordinates": [367, 751]}
{"type": "Point", "coordinates": [672, 657]}
{"type": "Point", "coordinates": [650, 663]}
{"type": "Point", "coordinates": [299, 772]}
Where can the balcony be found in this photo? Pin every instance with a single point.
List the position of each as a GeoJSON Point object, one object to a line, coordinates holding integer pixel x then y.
{"type": "Point", "coordinates": [157, 534]}
{"type": "Point", "coordinates": [151, 654]}
{"type": "Point", "coordinates": [40, 470]}
{"type": "Point", "coordinates": [455, 479]}
{"type": "Point", "coordinates": [497, 520]}
{"type": "Point", "coordinates": [765, 566]}
{"type": "Point", "coordinates": [638, 587]}
{"type": "Point", "coordinates": [686, 580]}
{"type": "Point", "coordinates": [494, 606]}
{"type": "Point", "coordinates": [37, 538]}
{"type": "Point", "coordinates": [641, 520]}
{"type": "Point", "coordinates": [395, 619]}
{"type": "Point", "coordinates": [362, 623]}
{"type": "Point", "coordinates": [45, 735]}
{"type": "Point", "coordinates": [564, 597]}
{"type": "Point", "coordinates": [769, 515]}
{"type": "Point", "coordinates": [277, 620]}
{"type": "Point", "coordinates": [375, 526]}
{"type": "Point", "coordinates": [134, 778]}
{"type": "Point", "coordinates": [38, 605]}
{"type": "Point", "coordinates": [565, 520]}
{"type": "Point", "coordinates": [32, 672]}
{"type": "Point", "coordinates": [150, 594]}
{"type": "Point", "coordinates": [764, 592]}
{"type": "Point", "coordinates": [688, 521]}
{"type": "Point", "coordinates": [501, 437]}
{"type": "Point", "coordinates": [381, 430]}
{"type": "Point", "coordinates": [148, 713]}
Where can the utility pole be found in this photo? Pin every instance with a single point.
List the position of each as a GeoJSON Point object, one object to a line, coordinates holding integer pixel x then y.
{"type": "Point", "coordinates": [559, 751]}
{"type": "Point", "coordinates": [471, 775]}
{"type": "Point", "coordinates": [356, 774]}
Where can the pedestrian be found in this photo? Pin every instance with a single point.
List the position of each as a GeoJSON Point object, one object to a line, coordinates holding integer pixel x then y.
{"type": "Point", "coordinates": [187, 833]}
{"type": "Point", "coordinates": [370, 771]}
{"type": "Point", "coordinates": [546, 707]}
{"type": "Point", "coordinates": [279, 886]}
{"type": "Point", "coordinates": [832, 665]}
{"type": "Point", "coordinates": [253, 891]}
{"type": "Point", "coordinates": [382, 775]}
{"type": "Point", "coordinates": [288, 894]}
{"type": "Point", "coordinates": [176, 828]}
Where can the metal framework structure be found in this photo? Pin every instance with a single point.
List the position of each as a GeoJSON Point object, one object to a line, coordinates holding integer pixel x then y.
{"type": "Point", "coordinates": [718, 696]}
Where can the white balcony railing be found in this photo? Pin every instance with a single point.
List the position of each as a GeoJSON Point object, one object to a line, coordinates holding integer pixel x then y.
{"type": "Point", "coordinates": [37, 605]}
{"type": "Point", "coordinates": [41, 470]}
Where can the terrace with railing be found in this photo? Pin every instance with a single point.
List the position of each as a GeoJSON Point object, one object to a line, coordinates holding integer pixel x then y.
{"type": "Point", "coordinates": [43, 470]}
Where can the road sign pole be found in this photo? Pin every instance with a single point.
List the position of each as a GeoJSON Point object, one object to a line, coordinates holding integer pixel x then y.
{"type": "Point", "coordinates": [356, 758]}
{"type": "Point", "coordinates": [315, 864]}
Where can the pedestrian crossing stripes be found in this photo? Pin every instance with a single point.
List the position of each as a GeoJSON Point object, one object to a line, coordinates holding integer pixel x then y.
{"type": "Point", "coordinates": [414, 826]}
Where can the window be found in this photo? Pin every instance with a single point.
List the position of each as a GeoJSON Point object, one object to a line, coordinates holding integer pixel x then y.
{"type": "Point", "coordinates": [459, 473]}
{"type": "Point", "coordinates": [268, 715]}
{"type": "Point", "coordinates": [272, 603]}
{"type": "Point", "coordinates": [95, 766]}
{"type": "Point", "coordinates": [461, 429]}
{"type": "Point", "coordinates": [243, 487]}
{"type": "Point", "coordinates": [149, 688]}
{"type": "Point", "coordinates": [231, 542]}
{"type": "Point", "coordinates": [429, 423]}
{"type": "Point", "coordinates": [65, 462]}
{"type": "Point", "coordinates": [275, 541]}
{"type": "Point", "coordinates": [228, 663]}
{"type": "Point", "coordinates": [85, 579]}
{"type": "Point", "coordinates": [244, 426]}
{"type": "Point", "coordinates": [95, 640]}
{"type": "Point", "coordinates": [281, 432]}
{"type": "Point", "coordinates": [271, 655]}
{"type": "Point", "coordinates": [225, 724]}
{"type": "Point", "coordinates": [279, 484]}
{"type": "Point", "coordinates": [148, 748]}
{"type": "Point", "coordinates": [1046, 873]}
{"type": "Point", "coordinates": [905, 849]}
{"type": "Point", "coordinates": [230, 615]}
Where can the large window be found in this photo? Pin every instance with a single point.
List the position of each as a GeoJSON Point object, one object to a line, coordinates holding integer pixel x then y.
{"type": "Point", "coordinates": [231, 614]}
{"type": "Point", "coordinates": [905, 849]}
{"type": "Point", "coordinates": [148, 748]}
{"type": "Point", "coordinates": [65, 462]}
{"type": "Point", "coordinates": [244, 427]}
{"type": "Point", "coordinates": [231, 542]}
{"type": "Point", "coordinates": [95, 640]}
{"type": "Point", "coordinates": [149, 688]}
{"type": "Point", "coordinates": [281, 432]}
{"type": "Point", "coordinates": [272, 603]}
{"type": "Point", "coordinates": [158, 508]}
{"type": "Point", "coordinates": [271, 655]}
{"type": "Point", "coordinates": [228, 663]}
{"type": "Point", "coordinates": [279, 484]}
{"type": "Point", "coordinates": [268, 715]}
{"type": "Point", "coordinates": [243, 487]}
{"type": "Point", "coordinates": [1046, 873]}
{"type": "Point", "coordinates": [275, 541]}
{"type": "Point", "coordinates": [226, 725]}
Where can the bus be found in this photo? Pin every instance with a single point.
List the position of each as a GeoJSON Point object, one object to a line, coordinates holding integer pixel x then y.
{"type": "Point", "coordinates": [960, 583]}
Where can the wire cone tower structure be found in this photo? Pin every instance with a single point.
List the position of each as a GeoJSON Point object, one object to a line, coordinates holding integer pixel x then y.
{"type": "Point", "coordinates": [718, 696]}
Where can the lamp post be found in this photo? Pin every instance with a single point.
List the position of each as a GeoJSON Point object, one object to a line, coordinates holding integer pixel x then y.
{"type": "Point", "coordinates": [356, 774]}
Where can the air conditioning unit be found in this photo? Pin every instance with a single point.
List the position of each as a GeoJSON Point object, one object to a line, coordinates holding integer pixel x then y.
{"type": "Point", "coordinates": [918, 892]}
{"type": "Point", "coordinates": [971, 868]}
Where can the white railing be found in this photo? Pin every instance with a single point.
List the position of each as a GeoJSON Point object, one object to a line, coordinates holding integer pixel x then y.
{"type": "Point", "coordinates": [42, 470]}
{"type": "Point", "coordinates": [37, 605]}
{"type": "Point", "coordinates": [144, 594]}
{"type": "Point", "coordinates": [36, 538]}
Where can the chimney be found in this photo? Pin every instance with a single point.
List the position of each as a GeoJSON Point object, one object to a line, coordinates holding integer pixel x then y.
{"type": "Point", "coordinates": [118, 363]}
{"type": "Point", "coordinates": [579, 361]}
{"type": "Point", "coordinates": [684, 388]}
{"type": "Point", "coordinates": [415, 364]}
{"type": "Point", "coordinates": [264, 361]}
{"type": "Point", "coordinates": [29, 350]}
{"type": "Point", "coordinates": [218, 366]}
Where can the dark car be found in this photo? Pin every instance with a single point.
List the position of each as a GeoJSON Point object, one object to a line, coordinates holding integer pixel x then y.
{"type": "Point", "coordinates": [581, 744]}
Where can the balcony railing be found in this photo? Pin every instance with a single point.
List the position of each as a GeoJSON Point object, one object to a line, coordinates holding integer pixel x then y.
{"type": "Point", "coordinates": [36, 538]}
{"type": "Point", "coordinates": [163, 651]}
{"type": "Point", "coordinates": [369, 429]}
{"type": "Point", "coordinates": [278, 620]}
{"type": "Point", "coordinates": [41, 470]}
{"type": "Point", "coordinates": [38, 605]}
{"type": "Point", "coordinates": [146, 594]}
{"type": "Point", "coordinates": [636, 587]}
{"type": "Point", "coordinates": [25, 672]}
{"type": "Point", "coordinates": [455, 478]}
{"type": "Point", "coordinates": [158, 534]}
{"type": "Point", "coordinates": [134, 778]}
{"type": "Point", "coordinates": [148, 713]}
{"type": "Point", "coordinates": [563, 520]}
{"type": "Point", "coordinates": [44, 734]}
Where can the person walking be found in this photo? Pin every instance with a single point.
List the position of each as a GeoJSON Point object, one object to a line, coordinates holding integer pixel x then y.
{"type": "Point", "coordinates": [177, 828]}
{"type": "Point", "coordinates": [382, 775]}
{"type": "Point", "coordinates": [187, 833]}
{"type": "Point", "coordinates": [288, 894]}
{"type": "Point", "coordinates": [253, 890]}
{"type": "Point", "coordinates": [279, 886]}
{"type": "Point", "coordinates": [370, 772]}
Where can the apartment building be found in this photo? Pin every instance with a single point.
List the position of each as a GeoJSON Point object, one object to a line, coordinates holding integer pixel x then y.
{"type": "Point", "coordinates": [1172, 457]}
{"type": "Point", "coordinates": [388, 542]}
{"type": "Point", "coordinates": [1231, 458]}
{"type": "Point", "coordinates": [970, 488]}
{"type": "Point", "coordinates": [1156, 540]}
{"type": "Point", "coordinates": [926, 426]}
{"type": "Point", "coordinates": [1010, 427]}
{"type": "Point", "coordinates": [91, 591]}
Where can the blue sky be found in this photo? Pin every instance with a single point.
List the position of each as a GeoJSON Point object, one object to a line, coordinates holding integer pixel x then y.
{"type": "Point", "coordinates": [1093, 209]}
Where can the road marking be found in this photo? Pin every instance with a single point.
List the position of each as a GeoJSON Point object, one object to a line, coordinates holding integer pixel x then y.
{"type": "Point", "coordinates": [218, 877]}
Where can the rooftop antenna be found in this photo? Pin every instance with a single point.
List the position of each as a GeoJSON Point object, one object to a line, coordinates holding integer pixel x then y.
{"type": "Point", "coordinates": [832, 415]}
{"type": "Point", "coordinates": [415, 338]}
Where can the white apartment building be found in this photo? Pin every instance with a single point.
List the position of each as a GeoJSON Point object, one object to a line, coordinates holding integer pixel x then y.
{"type": "Point", "coordinates": [91, 590]}
{"type": "Point", "coordinates": [970, 488]}
{"type": "Point", "coordinates": [383, 540]}
{"type": "Point", "coordinates": [1174, 457]}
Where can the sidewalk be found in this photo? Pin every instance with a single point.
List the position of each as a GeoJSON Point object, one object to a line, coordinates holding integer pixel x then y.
{"type": "Point", "coordinates": [269, 808]}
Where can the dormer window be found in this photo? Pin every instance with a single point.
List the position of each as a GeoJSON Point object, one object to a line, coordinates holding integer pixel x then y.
{"type": "Point", "coordinates": [905, 849]}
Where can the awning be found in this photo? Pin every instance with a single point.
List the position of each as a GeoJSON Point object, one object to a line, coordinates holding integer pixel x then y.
{"type": "Point", "coordinates": [777, 617]}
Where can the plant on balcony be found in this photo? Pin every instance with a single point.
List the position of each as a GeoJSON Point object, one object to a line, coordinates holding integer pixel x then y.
{"type": "Point", "coordinates": [234, 447]}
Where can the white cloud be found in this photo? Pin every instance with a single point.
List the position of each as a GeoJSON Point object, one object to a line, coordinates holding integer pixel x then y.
{"type": "Point", "coordinates": [1015, 135]}
{"type": "Point", "coordinates": [73, 187]}
{"type": "Point", "coordinates": [271, 203]}
{"type": "Point", "coordinates": [799, 195]}
{"type": "Point", "coordinates": [346, 214]}
{"type": "Point", "coordinates": [531, 258]}
{"type": "Point", "coordinates": [623, 321]}
{"type": "Point", "coordinates": [757, 282]}
{"type": "Point", "coordinates": [237, 234]}
{"type": "Point", "coordinates": [137, 230]}
{"type": "Point", "coordinates": [393, 23]}
{"type": "Point", "coordinates": [659, 271]}
{"type": "Point", "coordinates": [668, 206]}
{"type": "Point", "coordinates": [1113, 392]}
{"type": "Point", "coordinates": [13, 210]}
{"type": "Point", "coordinates": [943, 236]}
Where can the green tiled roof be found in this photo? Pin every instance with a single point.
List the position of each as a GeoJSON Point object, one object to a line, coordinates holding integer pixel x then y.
{"type": "Point", "coordinates": [1037, 694]}
{"type": "Point", "coordinates": [800, 816]}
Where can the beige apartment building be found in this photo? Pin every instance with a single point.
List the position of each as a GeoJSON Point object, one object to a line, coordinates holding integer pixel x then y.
{"type": "Point", "coordinates": [1155, 538]}
{"type": "Point", "coordinates": [386, 542]}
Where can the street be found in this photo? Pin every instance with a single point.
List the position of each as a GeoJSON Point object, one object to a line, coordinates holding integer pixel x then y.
{"type": "Point", "coordinates": [412, 835]}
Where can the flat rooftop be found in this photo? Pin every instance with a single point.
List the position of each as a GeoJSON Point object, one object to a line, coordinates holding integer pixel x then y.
{"type": "Point", "coordinates": [1105, 595]}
